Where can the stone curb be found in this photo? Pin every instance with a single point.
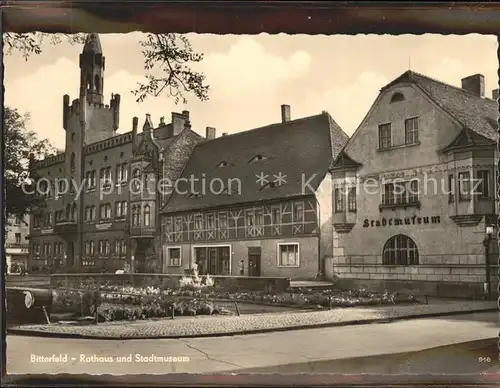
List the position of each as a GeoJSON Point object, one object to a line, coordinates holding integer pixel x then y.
{"type": "Point", "coordinates": [36, 333]}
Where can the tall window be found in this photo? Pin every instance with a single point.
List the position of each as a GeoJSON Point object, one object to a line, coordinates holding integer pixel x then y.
{"type": "Point", "coordinates": [483, 185]}
{"type": "Point", "coordinates": [401, 193]}
{"type": "Point", "coordinates": [210, 221]}
{"type": "Point", "coordinates": [298, 212]}
{"type": "Point", "coordinates": [174, 257]}
{"type": "Point", "coordinates": [276, 215]}
{"type": "Point", "coordinates": [136, 215]}
{"type": "Point", "coordinates": [92, 248]}
{"type": "Point", "coordinates": [136, 176]}
{"type": "Point", "coordinates": [18, 238]}
{"type": "Point", "coordinates": [178, 224]}
{"type": "Point", "coordinates": [73, 213]}
{"type": "Point", "coordinates": [413, 191]}
{"type": "Point", "coordinates": [339, 200]}
{"type": "Point", "coordinates": [384, 136]}
{"type": "Point", "coordinates": [250, 218]}
{"type": "Point", "coordinates": [72, 162]}
{"type": "Point", "coordinates": [147, 216]}
{"type": "Point", "coordinates": [464, 189]}
{"type": "Point", "coordinates": [411, 130]}
{"type": "Point", "coordinates": [259, 218]}
{"type": "Point", "coordinates": [223, 220]}
{"type": "Point", "coordinates": [121, 172]}
{"type": "Point", "coordinates": [400, 250]}
{"type": "Point", "coordinates": [288, 255]}
{"type": "Point", "coordinates": [105, 211]}
{"type": "Point", "coordinates": [198, 222]}
{"type": "Point", "coordinates": [351, 200]}
{"type": "Point", "coordinates": [451, 188]}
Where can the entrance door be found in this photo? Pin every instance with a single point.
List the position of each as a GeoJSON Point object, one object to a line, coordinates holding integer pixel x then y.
{"type": "Point", "coordinates": [254, 255]}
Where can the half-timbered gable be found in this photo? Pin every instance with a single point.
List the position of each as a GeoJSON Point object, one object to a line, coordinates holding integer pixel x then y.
{"type": "Point", "coordinates": [248, 195]}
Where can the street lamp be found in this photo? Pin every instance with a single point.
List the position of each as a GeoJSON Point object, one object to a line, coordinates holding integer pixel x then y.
{"type": "Point", "coordinates": [486, 242]}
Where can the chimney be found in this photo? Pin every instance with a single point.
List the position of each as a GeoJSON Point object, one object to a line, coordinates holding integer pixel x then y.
{"type": "Point", "coordinates": [285, 113]}
{"type": "Point", "coordinates": [178, 120]}
{"type": "Point", "coordinates": [148, 124]}
{"type": "Point", "coordinates": [162, 121]}
{"type": "Point", "coordinates": [224, 134]}
{"type": "Point", "coordinates": [185, 113]}
{"type": "Point", "coordinates": [494, 94]}
{"type": "Point", "coordinates": [210, 133]}
{"type": "Point", "coordinates": [474, 84]}
{"type": "Point", "coordinates": [135, 122]}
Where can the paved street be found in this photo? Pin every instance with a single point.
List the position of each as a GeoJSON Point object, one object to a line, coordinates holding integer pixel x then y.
{"type": "Point", "coordinates": [302, 351]}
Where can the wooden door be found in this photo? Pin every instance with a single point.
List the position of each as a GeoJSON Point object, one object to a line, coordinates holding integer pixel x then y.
{"type": "Point", "coordinates": [254, 259]}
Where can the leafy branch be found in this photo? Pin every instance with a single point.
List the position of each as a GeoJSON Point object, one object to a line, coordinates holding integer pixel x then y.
{"type": "Point", "coordinates": [171, 54]}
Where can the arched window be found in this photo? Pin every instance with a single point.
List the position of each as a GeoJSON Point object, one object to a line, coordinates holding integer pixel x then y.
{"type": "Point", "coordinates": [400, 250]}
{"type": "Point", "coordinates": [397, 97]}
{"type": "Point", "coordinates": [136, 215]}
{"type": "Point", "coordinates": [72, 161]}
{"type": "Point", "coordinates": [147, 215]}
{"type": "Point", "coordinates": [136, 176]}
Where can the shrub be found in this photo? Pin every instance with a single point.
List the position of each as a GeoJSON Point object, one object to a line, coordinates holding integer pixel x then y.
{"type": "Point", "coordinates": [169, 284]}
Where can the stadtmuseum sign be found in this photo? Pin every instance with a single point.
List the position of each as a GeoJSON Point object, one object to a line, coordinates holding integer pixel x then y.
{"type": "Point", "coordinates": [405, 221]}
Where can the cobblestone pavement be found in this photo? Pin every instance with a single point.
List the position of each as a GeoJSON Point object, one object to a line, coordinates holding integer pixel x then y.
{"type": "Point", "coordinates": [228, 325]}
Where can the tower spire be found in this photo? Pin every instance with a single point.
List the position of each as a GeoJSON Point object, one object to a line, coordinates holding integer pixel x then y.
{"type": "Point", "coordinates": [93, 44]}
{"type": "Point", "coordinates": [92, 67]}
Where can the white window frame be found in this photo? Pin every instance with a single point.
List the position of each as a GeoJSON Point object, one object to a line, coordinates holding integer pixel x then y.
{"type": "Point", "coordinates": [278, 255]}
{"type": "Point", "coordinates": [169, 264]}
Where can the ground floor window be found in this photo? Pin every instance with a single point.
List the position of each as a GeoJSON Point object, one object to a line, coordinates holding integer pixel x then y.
{"type": "Point", "coordinates": [288, 255]}
{"type": "Point", "coordinates": [400, 250]}
{"type": "Point", "coordinates": [174, 256]}
{"type": "Point", "coordinates": [213, 260]}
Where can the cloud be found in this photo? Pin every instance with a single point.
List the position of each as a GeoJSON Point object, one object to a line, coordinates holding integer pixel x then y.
{"type": "Point", "coordinates": [246, 75]}
{"type": "Point", "coordinates": [348, 104]}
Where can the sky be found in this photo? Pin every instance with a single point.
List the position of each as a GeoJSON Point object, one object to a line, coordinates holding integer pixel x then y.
{"type": "Point", "coordinates": [250, 77]}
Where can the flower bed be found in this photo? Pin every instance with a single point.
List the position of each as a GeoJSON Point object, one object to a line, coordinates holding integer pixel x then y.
{"type": "Point", "coordinates": [193, 295]}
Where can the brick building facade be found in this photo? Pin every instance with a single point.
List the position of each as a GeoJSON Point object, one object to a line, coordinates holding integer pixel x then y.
{"type": "Point", "coordinates": [414, 190]}
{"type": "Point", "coordinates": [258, 202]}
{"type": "Point", "coordinates": [99, 222]}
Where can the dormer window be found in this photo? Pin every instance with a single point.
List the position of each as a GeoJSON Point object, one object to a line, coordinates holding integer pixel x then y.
{"type": "Point", "coordinates": [396, 97]}
{"type": "Point", "coordinates": [272, 185]}
{"type": "Point", "coordinates": [194, 195]}
{"type": "Point", "coordinates": [222, 164]}
{"type": "Point", "coordinates": [257, 158]}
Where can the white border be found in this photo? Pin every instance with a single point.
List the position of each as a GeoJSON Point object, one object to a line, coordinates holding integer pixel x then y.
{"type": "Point", "coordinates": [278, 255]}
{"type": "Point", "coordinates": [168, 247]}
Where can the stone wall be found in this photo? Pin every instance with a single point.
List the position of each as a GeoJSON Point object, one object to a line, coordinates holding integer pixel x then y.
{"type": "Point", "coordinates": [243, 283]}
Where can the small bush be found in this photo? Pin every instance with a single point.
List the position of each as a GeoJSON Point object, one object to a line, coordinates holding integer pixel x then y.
{"type": "Point", "coordinates": [169, 284]}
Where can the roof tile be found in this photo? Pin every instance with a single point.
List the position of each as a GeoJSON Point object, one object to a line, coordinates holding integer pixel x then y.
{"type": "Point", "coordinates": [300, 150]}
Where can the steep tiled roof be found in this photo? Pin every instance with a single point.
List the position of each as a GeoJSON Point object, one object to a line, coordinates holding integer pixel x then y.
{"type": "Point", "coordinates": [467, 138]}
{"type": "Point", "coordinates": [343, 160]}
{"type": "Point", "coordinates": [299, 149]}
{"type": "Point", "coordinates": [92, 44]}
{"type": "Point", "coordinates": [473, 112]}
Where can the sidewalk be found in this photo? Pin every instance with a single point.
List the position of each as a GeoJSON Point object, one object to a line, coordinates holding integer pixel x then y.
{"type": "Point", "coordinates": [248, 324]}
